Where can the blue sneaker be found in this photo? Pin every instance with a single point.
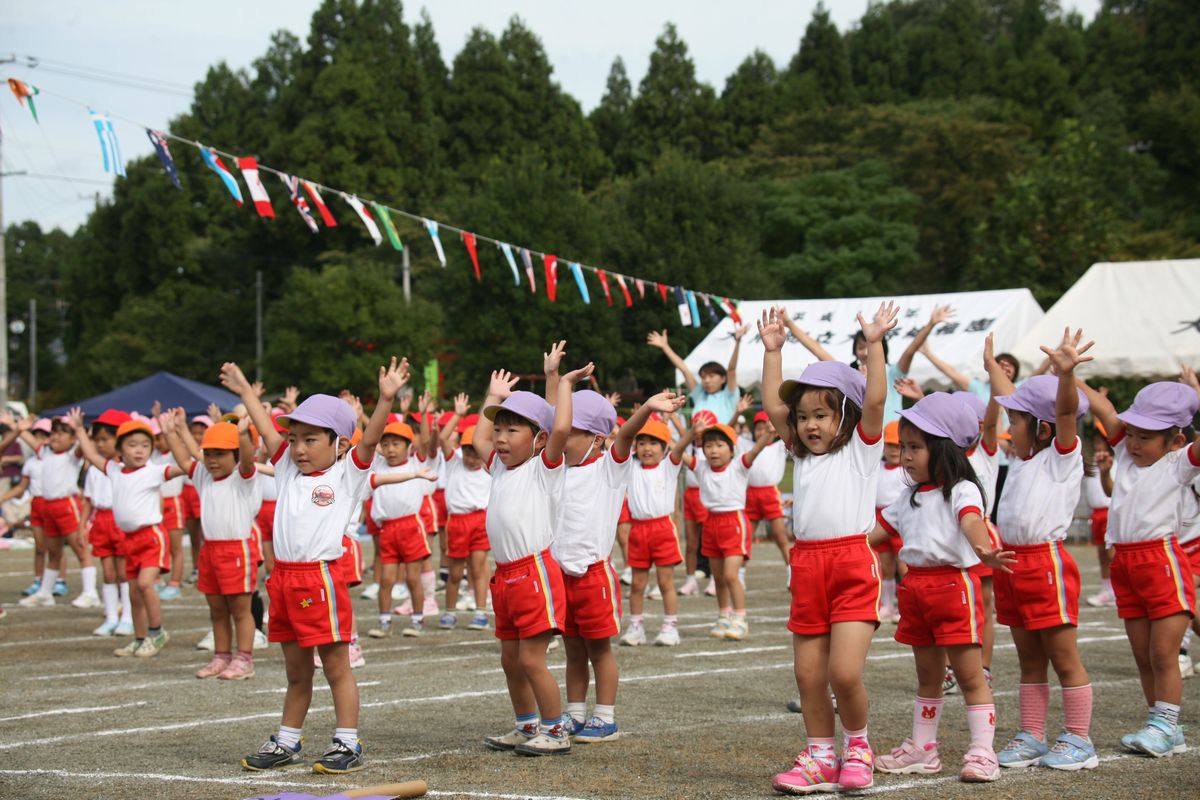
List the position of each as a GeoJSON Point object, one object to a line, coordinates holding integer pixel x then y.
{"type": "Point", "coordinates": [572, 726]}
{"type": "Point", "coordinates": [1159, 738]}
{"type": "Point", "coordinates": [60, 589]}
{"type": "Point", "coordinates": [1071, 753]}
{"type": "Point", "coordinates": [32, 588]}
{"type": "Point", "coordinates": [170, 593]}
{"type": "Point", "coordinates": [597, 730]}
{"type": "Point", "coordinates": [448, 621]}
{"type": "Point", "coordinates": [1023, 751]}
{"type": "Point", "coordinates": [1127, 739]}
{"type": "Point", "coordinates": [478, 623]}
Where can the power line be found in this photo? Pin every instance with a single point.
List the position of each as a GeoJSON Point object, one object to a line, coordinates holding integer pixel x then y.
{"type": "Point", "coordinates": [69, 178]}
{"type": "Point", "coordinates": [106, 76]}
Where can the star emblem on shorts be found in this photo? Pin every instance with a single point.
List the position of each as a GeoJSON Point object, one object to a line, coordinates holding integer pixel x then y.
{"type": "Point", "coordinates": [306, 602]}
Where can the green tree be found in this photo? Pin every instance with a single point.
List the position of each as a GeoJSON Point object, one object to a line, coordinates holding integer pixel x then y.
{"type": "Point", "coordinates": [750, 101]}
{"type": "Point", "coordinates": [610, 119]}
{"type": "Point", "coordinates": [876, 56]}
{"type": "Point", "coordinates": [823, 61]}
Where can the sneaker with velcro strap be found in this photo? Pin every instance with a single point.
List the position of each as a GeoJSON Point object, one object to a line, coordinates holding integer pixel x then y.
{"type": "Point", "coordinates": [340, 758]}
{"type": "Point", "coordinates": [129, 649]}
{"type": "Point", "coordinates": [1023, 750]}
{"type": "Point", "coordinates": [1071, 752]}
{"type": "Point", "coordinates": [545, 744]}
{"type": "Point", "coordinates": [272, 755]}
{"type": "Point", "coordinates": [152, 645]}
{"type": "Point", "coordinates": [478, 623]}
{"type": "Point", "coordinates": [597, 730]}
{"type": "Point", "coordinates": [509, 741]}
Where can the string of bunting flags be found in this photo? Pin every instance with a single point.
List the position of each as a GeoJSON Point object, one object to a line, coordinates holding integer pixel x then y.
{"type": "Point", "coordinates": [376, 217]}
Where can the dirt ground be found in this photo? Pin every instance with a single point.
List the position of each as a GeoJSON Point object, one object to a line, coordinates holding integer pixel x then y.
{"type": "Point", "coordinates": [703, 720]}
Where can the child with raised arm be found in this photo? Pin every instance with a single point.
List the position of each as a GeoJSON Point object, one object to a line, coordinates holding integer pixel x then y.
{"type": "Point", "coordinates": [1156, 461]}
{"type": "Point", "coordinates": [763, 502]}
{"type": "Point", "coordinates": [521, 439]}
{"type": "Point", "coordinates": [468, 486]}
{"type": "Point", "coordinates": [832, 420]}
{"type": "Point", "coordinates": [106, 539]}
{"type": "Point", "coordinates": [310, 603]}
{"type": "Point", "coordinates": [717, 390]}
{"type": "Point", "coordinates": [137, 509]}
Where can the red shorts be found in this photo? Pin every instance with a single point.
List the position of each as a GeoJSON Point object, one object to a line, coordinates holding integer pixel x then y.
{"type": "Point", "coordinates": [593, 603]}
{"type": "Point", "coordinates": [147, 547]}
{"type": "Point", "coordinates": [37, 517]}
{"type": "Point", "coordinates": [1099, 525]}
{"type": "Point", "coordinates": [373, 528]}
{"type": "Point", "coordinates": [763, 502]}
{"type": "Point", "coordinates": [350, 565]}
{"type": "Point", "coordinates": [439, 506]}
{"type": "Point", "coordinates": [228, 566]}
{"type": "Point", "coordinates": [693, 509]}
{"type": "Point", "coordinates": [172, 511]}
{"type": "Point", "coordinates": [893, 543]}
{"type": "Point", "coordinates": [403, 540]}
{"type": "Point", "coordinates": [429, 517]}
{"type": "Point", "coordinates": [653, 543]}
{"type": "Point", "coordinates": [1192, 551]}
{"type": "Point", "coordinates": [528, 597]}
{"type": "Point", "coordinates": [833, 580]}
{"type": "Point", "coordinates": [466, 534]}
{"type": "Point", "coordinates": [1042, 591]}
{"type": "Point", "coordinates": [266, 520]}
{"type": "Point", "coordinates": [106, 539]}
{"type": "Point", "coordinates": [60, 517]}
{"type": "Point", "coordinates": [625, 517]}
{"type": "Point", "coordinates": [939, 606]}
{"type": "Point", "coordinates": [190, 502]}
{"type": "Point", "coordinates": [309, 605]}
{"type": "Point", "coordinates": [726, 533]}
{"type": "Point", "coordinates": [1152, 579]}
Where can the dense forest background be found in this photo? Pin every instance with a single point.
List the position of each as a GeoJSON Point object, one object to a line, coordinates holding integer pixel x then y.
{"type": "Point", "coordinates": [938, 145]}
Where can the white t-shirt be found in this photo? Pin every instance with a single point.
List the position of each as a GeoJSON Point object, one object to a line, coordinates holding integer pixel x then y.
{"type": "Point", "coordinates": [137, 503]}
{"type": "Point", "coordinates": [652, 490]}
{"type": "Point", "coordinates": [1145, 500]}
{"type": "Point", "coordinates": [312, 511]}
{"type": "Point", "coordinates": [588, 508]}
{"type": "Point", "coordinates": [173, 487]}
{"type": "Point", "coordinates": [892, 482]}
{"type": "Point", "coordinates": [1040, 495]}
{"type": "Point", "coordinates": [60, 472]}
{"type": "Point", "coordinates": [97, 488]}
{"type": "Point", "coordinates": [1189, 512]}
{"type": "Point", "coordinates": [229, 505]}
{"type": "Point", "coordinates": [396, 500]}
{"type": "Point", "coordinates": [32, 469]}
{"type": "Point", "coordinates": [467, 490]}
{"type": "Point", "coordinates": [523, 506]}
{"type": "Point", "coordinates": [723, 489]}
{"type": "Point", "coordinates": [987, 469]}
{"type": "Point", "coordinates": [1093, 492]}
{"type": "Point", "coordinates": [266, 486]}
{"type": "Point", "coordinates": [834, 494]}
{"type": "Point", "coordinates": [767, 469]}
{"type": "Point", "coordinates": [932, 532]}
{"type": "Point", "coordinates": [689, 475]}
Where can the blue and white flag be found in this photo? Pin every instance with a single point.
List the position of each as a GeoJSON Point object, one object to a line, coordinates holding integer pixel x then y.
{"type": "Point", "coordinates": [691, 298]}
{"type": "Point", "coordinates": [110, 150]}
{"type": "Point", "coordinates": [432, 227]}
{"type": "Point", "coordinates": [512, 262]}
{"type": "Point", "coordinates": [583, 290]}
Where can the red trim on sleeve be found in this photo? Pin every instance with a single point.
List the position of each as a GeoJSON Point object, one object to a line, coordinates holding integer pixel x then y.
{"type": "Point", "coordinates": [167, 473]}
{"type": "Point", "coordinates": [1192, 459]}
{"type": "Point", "coordinates": [107, 461]}
{"type": "Point", "coordinates": [357, 463]}
{"type": "Point", "coordinates": [556, 464]}
{"type": "Point", "coordinates": [968, 510]}
{"type": "Point", "coordinates": [1116, 440]}
{"type": "Point", "coordinates": [1069, 450]}
{"type": "Point", "coordinates": [621, 460]}
{"type": "Point", "coordinates": [671, 458]}
{"type": "Point", "coordinates": [253, 474]}
{"type": "Point", "coordinates": [991, 452]}
{"type": "Point", "coordinates": [692, 462]}
{"type": "Point", "coordinates": [745, 463]}
{"type": "Point", "coordinates": [283, 446]}
{"type": "Point", "coordinates": [887, 526]}
{"type": "Point", "coordinates": [867, 439]}
{"type": "Point", "coordinates": [491, 458]}
{"type": "Point", "coordinates": [371, 480]}
{"type": "Point", "coordinates": [191, 473]}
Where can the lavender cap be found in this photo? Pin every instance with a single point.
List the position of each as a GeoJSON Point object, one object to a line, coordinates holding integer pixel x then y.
{"type": "Point", "coordinates": [1162, 405]}
{"type": "Point", "coordinates": [831, 374]}
{"type": "Point", "coordinates": [591, 412]}
{"type": "Point", "coordinates": [323, 411]}
{"type": "Point", "coordinates": [1037, 396]}
{"type": "Point", "coordinates": [528, 405]}
{"type": "Point", "coordinates": [974, 402]}
{"type": "Point", "coordinates": [944, 415]}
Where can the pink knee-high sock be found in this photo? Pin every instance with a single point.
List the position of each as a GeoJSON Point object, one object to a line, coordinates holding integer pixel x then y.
{"type": "Point", "coordinates": [1035, 698]}
{"type": "Point", "coordinates": [981, 720]}
{"type": "Point", "coordinates": [1077, 709]}
{"type": "Point", "coordinates": [927, 714]}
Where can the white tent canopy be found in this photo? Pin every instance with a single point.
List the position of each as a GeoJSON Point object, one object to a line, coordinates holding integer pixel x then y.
{"type": "Point", "coordinates": [1006, 313]}
{"type": "Point", "coordinates": [1144, 316]}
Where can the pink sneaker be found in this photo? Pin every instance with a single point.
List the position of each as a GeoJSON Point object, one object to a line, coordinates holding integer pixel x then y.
{"type": "Point", "coordinates": [857, 761]}
{"type": "Point", "coordinates": [357, 659]}
{"type": "Point", "coordinates": [979, 766]}
{"type": "Point", "coordinates": [808, 775]}
{"type": "Point", "coordinates": [908, 758]}
{"type": "Point", "coordinates": [405, 609]}
{"type": "Point", "coordinates": [239, 669]}
{"type": "Point", "coordinates": [689, 587]}
{"type": "Point", "coordinates": [431, 607]}
{"type": "Point", "coordinates": [214, 667]}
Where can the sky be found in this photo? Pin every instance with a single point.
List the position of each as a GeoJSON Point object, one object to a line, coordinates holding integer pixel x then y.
{"type": "Point", "coordinates": [171, 45]}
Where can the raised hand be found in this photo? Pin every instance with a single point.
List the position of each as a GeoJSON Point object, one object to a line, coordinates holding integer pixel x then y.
{"type": "Point", "coordinates": [771, 329]}
{"type": "Point", "coordinates": [156, 409]}
{"type": "Point", "coordinates": [738, 333]}
{"type": "Point", "coordinates": [26, 423]}
{"type": "Point", "coordinates": [907, 387]}
{"type": "Point", "coordinates": [989, 355]}
{"type": "Point", "coordinates": [1069, 353]}
{"type": "Point", "coordinates": [425, 404]}
{"type": "Point", "coordinates": [744, 402]}
{"type": "Point", "coordinates": [392, 378]}
{"type": "Point", "coordinates": [1104, 461]}
{"type": "Point", "coordinates": [243, 424]}
{"type": "Point", "coordinates": [551, 360]}
{"type": "Point", "coordinates": [350, 399]}
{"type": "Point", "coordinates": [658, 339]}
{"type": "Point", "coordinates": [290, 396]}
{"type": "Point", "coordinates": [666, 402]}
{"type": "Point", "coordinates": [74, 419]}
{"type": "Point", "coordinates": [462, 404]}
{"type": "Point", "coordinates": [576, 375]}
{"type": "Point", "coordinates": [614, 398]}
{"type": "Point", "coordinates": [883, 321]}
{"type": "Point", "coordinates": [214, 412]}
{"type": "Point", "coordinates": [941, 314]}
{"type": "Point", "coordinates": [1188, 376]}
{"type": "Point", "coordinates": [502, 384]}
{"type": "Point", "coordinates": [233, 379]}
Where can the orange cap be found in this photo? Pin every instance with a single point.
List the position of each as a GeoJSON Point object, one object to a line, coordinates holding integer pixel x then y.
{"type": "Point", "coordinates": [727, 431]}
{"type": "Point", "coordinates": [220, 436]}
{"type": "Point", "coordinates": [891, 432]}
{"type": "Point", "coordinates": [401, 429]}
{"type": "Point", "coordinates": [356, 437]}
{"type": "Point", "coordinates": [134, 425]}
{"type": "Point", "coordinates": [468, 437]}
{"type": "Point", "coordinates": [1100, 427]}
{"type": "Point", "coordinates": [656, 430]}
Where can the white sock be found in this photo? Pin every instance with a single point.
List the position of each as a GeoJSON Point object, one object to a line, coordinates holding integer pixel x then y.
{"type": "Point", "coordinates": [126, 605]}
{"type": "Point", "coordinates": [1107, 584]}
{"type": "Point", "coordinates": [88, 576]}
{"type": "Point", "coordinates": [742, 575]}
{"type": "Point", "coordinates": [429, 582]}
{"type": "Point", "coordinates": [1187, 640]}
{"type": "Point", "coordinates": [605, 713]}
{"type": "Point", "coordinates": [288, 737]}
{"type": "Point", "coordinates": [49, 578]}
{"type": "Point", "coordinates": [111, 601]}
{"type": "Point", "coordinates": [1168, 711]}
{"type": "Point", "coordinates": [889, 593]}
{"type": "Point", "coordinates": [347, 736]}
{"type": "Point", "coordinates": [385, 619]}
{"type": "Point", "coordinates": [577, 711]}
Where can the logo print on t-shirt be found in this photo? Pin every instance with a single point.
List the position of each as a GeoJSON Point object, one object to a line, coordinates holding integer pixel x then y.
{"type": "Point", "coordinates": [323, 495]}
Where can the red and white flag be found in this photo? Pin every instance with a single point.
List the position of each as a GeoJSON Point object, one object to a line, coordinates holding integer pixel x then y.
{"type": "Point", "coordinates": [297, 197]}
{"type": "Point", "coordinates": [326, 217]}
{"type": "Point", "coordinates": [258, 192]}
{"type": "Point", "coordinates": [365, 216]}
{"type": "Point", "coordinates": [625, 290]}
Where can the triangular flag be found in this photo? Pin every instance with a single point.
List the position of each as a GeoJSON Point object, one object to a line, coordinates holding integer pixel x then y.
{"type": "Point", "coordinates": [365, 216]}
{"type": "Point", "coordinates": [213, 161]}
{"type": "Point", "coordinates": [512, 263]}
{"type": "Point", "coordinates": [469, 241]}
{"type": "Point", "coordinates": [164, 155]}
{"type": "Point", "coordinates": [641, 287]}
{"type": "Point", "coordinates": [382, 213]}
{"type": "Point", "coordinates": [432, 227]}
{"type": "Point", "coordinates": [685, 313]}
{"type": "Point", "coordinates": [110, 150]}
{"type": "Point", "coordinates": [695, 312]}
{"type": "Point", "coordinates": [326, 215]}
{"type": "Point", "coordinates": [24, 91]}
{"type": "Point", "coordinates": [550, 263]}
{"type": "Point", "coordinates": [258, 193]}
{"type": "Point", "coordinates": [662, 290]}
{"type": "Point", "coordinates": [579, 281]}
{"type": "Point", "coordinates": [733, 312]}
{"type": "Point", "coordinates": [712, 315]}
{"type": "Point", "coordinates": [527, 260]}
{"type": "Point", "coordinates": [297, 197]}
{"type": "Point", "coordinates": [604, 285]}
{"type": "Point", "coordinates": [625, 291]}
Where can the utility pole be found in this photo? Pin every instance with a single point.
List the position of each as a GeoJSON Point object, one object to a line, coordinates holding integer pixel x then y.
{"type": "Point", "coordinates": [258, 332]}
{"type": "Point", "coordinates": [33, 353]}
{"type": "Point", "coordinates": [3, 283]}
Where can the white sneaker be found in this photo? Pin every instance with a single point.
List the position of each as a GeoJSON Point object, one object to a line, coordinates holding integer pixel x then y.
{"type": "Point", "coordinates": [207, 642]}
{"type": "Point", "coordinates": [1186, 668]}
{"type": "Point", "coordinates": [124, 628]}
{"type": "Point", "coordinates": [38, 598]}
{"type": "Point", "coordinates": [260, 640]}
{"type": "Point", "coordinates": [431, 607]}
{"type": "Point", "coordinates": [1102, 598]}
{"type": "Point", "coordinates": [654, 593]}
{"type": "Point", "coordinates": [667, 637]}
{"type": "Point", "coordinates": [720, 629]}
{"type": "Point", "coordinates": [371, 592]}
{"type": "Point", "coordinates": [87, 600]}
{"type": "Point", "coordinates": [627, 576]}
{"type": "Point", "coordinates": [634, 636]}
{"type": "Point", "coordinates": [738, 629]}
{"type": "Point", "coordinates": [357, 659]}
{"type": "Point", "coordinates": [690, 587]}
{"type": "Point", "coordinates": [106, 629]}
{"type": "Point", "coordinates": [399, 591]}
{"type": "Point", "coordinates": [711, 589]}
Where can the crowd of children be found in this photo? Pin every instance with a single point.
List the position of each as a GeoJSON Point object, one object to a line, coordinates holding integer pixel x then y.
{"type": "Point", "coordinates": [892, 519]}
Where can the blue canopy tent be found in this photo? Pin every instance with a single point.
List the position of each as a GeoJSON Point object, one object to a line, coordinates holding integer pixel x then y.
{"type": "Point", "coordinates": [170, 390]}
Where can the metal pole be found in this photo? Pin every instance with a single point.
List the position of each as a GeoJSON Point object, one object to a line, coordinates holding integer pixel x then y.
{"type": "Point", "coordinates": [33, 353]}
{"type": "Point", "coordinates": [406, 275]}
{"type": "Point", "coordinates": [258, 327]}
{"type": "Point", "coordinates": [3, 304]}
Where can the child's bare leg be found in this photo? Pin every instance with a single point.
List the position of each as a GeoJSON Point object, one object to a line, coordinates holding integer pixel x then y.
{"type": "Point", "coordinates": [520, 693]}
{"type": "Point", "coordinates": [108, 566]}
{"type": "Point", "coordinates": [666, 585]}
{"type": "Point", "coordinates": [967, 662]}
{"type": "Point", "coordinates": [604, 665]}
{"type": "Point", "coordinates": [532, 657]}
{"type": "Point", "coordinates": [1138, 632]}
{"type": "Point", "coordinates": [637, 591]}
{"type": "Point", "coordinates": [931, 669]}
{"type": "Point", "coordinates": [412, 576]}
{"type": "Point", "coordinates": [1166, 635]}
{"type": "Point", "coordinates": [988, 635]}
{"type": "Point", "coordinates": [176, 537]}
{"type": "Point", "coordinates": [811, 656]}
{"type": "Point", "coordinates": [578, 676]}
{"type": "Point", "coordinates": [298, 664]}
{"type": "Point", "coordinates": [386, 575]}
{"type": "Point", "coordinates": [243, 621]}
{"type": "Point", "coordinates": [691, 530]}
{"type": "Point", "coordinates": [779, 535]}
{"type": "Point", "coordinates": [849, 643]}
{"type": "Point", "coordinates": [80, 549]}
{"type": "Point", "coordinates": [733, 582]}
{"type": "Point", "coordinates": [147, 577]}
{"type": "Point", "coordinates": [218, 613]}
{"type": "Point", "coordinates": [335, 661]}
{"type": "Point", "coordinates": [477, 570]}
{"type": "Point", "coordinates": [39, 553]}
{"type": "Point", "coordinates": [623, 541]}
{"type": "Point", "coordinates": [721, 576]}
{"type": "Point", "coordinates": [457, 565]}
{"type": "Point", "coordinates": [137, 599]}
{"type": "Point", "coordinates": [195, 539]}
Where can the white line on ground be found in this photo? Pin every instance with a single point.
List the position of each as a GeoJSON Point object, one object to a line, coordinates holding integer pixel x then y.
{"type": "Point", "coordinates": [739, 651]}
{"type": "Point", "coordinates": [250, 780]}
{"type": "Point", "coordinates": [69, 639]}
{"type": "Point", "coordinates": [317, 687]}
{"type": "Point", "coordinates": [58, 711]}
{"type": "Point", "coordinates": [78, 675]}
{"type": "Point", "coordinates": [468, 793]}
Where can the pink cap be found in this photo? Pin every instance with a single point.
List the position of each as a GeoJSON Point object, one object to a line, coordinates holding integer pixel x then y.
{"type": "Point", "coordinates": [42, 425]}
{"type": "Point", "coordinates": [323, 411]}
{"type": "Point", "coordinates": [1162, 405]}
{"type": "Point", "coordinates": [1038, 395]}
{"type": "Point", "coordinates": [832, 375]}
{"type": "Point", "coordinates": [974, 402]}
{"type": "Point", "coordinates": [942, 414]}
{"type": "Point", "coordinates": [202, 419]}
{"type": "Point", "coordinates": [592, 412]}
{"type": "Point", "coordinates": [528, 405]}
